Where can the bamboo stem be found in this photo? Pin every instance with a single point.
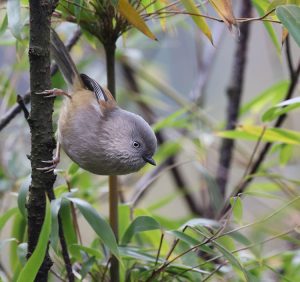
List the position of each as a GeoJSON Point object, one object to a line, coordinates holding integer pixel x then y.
{"type": "Point", "coordinates": [113, 180]}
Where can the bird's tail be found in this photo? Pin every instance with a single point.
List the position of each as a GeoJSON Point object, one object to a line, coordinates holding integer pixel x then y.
{"type": "Point", "coordinates": [66, 65]}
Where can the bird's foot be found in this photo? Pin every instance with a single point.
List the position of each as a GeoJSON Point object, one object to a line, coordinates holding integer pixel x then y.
{"type": "Point", "coordinates": [54, 162]}
{"type": "Point", "coordinates": [53, 93]}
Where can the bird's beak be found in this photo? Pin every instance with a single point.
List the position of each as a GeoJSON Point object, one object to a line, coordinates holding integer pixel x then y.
{"type": "Point", "coordinates": [149, 160]}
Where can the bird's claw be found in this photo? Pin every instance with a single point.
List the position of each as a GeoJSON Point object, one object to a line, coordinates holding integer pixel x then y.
{"type": "Point", "coordinates": [50, 168]}
{"type": "Point", "coordinates": [50, 93]}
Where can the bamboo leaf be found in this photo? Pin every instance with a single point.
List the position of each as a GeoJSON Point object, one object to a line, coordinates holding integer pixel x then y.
{"type": "Point", "coordinates": [289, 15]}
{"type": "Point", "coordinates": [14, 17]}
{"type": "Point", "coordinates": [261, 7]}
{"type": "Point", "coordinates": [55, 206]}
{"type": "Point", "coordinates": [191, 7]}
{"type": "Point", "coordinates": [128, 12]}
{"type": "Point", "coordinates": [31, 268]}
{"type": "Point", "coordinates": [100, 226]}
{"type": "Point", "coordinates": [4, 25]}
{"type": "Point", "coordinates": [22, 197]}
{"type": "Point", "coordinates": [281, 108]}
{"type": "Point", "coordinates": [252, 132]}
{"type": "Point", "coordinates": [6, 216]}
{"type": "Point", "coordinates": [139, 224]}
{"type": "Point", "coordinates": [225, 11]}
{"type": "Point", "coordinates": [237, 208]}
{"type": "Point", "coordinates": [268, 97]}
{"type": "Point", "coordinates": [276, 3]}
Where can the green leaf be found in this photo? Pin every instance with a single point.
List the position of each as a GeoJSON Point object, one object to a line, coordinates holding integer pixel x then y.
{"type": "Point", "coordinates": [19, 232]}
{"type": "Point", "coordinates": [6, 216]}
{"type": "Point", "coordinates": [285, 154]}
{"type": "Point", "coordinates": [128, 12]}
{"type": "Point", "coordinates": [22, 253]}
{"type": "Point", "coordinates": [269, 97]}
{"type": "Point", "coordinates": [67, 220]}
{"type": "Point", "coordinates": [172, 120]}
{"type": "Point", "coordinates": [134, 253]}
{"type": "Point", "coordinates": [252, 132]}
{"type": "Point", "coordinates": [55, 207]}
{"type": "Point", "coordinates": [276, 3]}
{"type": "Point", "coordinates": [73, 168]}
{"type": "Point", "coordinates": [31, 268]}
{"type": "Point", "coordinates": [237, 208]}
{"type": "Point", "coordinates": [189, 240]}
{"type": "Point", "coordinates": [280, 109]}
{"type": "Point", "coordinates": [14, 17]}
{"type": "Point", "coordinates": [139, 224]}
{"type": "Point", "coordinates": [204, 222]}
{"type": "Point", "coordinates": [4, 25]}
{"type": "Point", "coordinates": [22, 197]}
{"type": "Point", "coordinates": [289, 15]}
{"type": "Point", "coordinates": [90, 251]}
{"type": "Point", "coordinates": [191, 7]}
{"type": "Point", "coordinates": [100, 226]}
{"type": "Point", "coordinates": [261, 7]}
{"type": "Point", "coordinates": [124, 218]}
{"type": "Point", "coordinates": [213, 188]}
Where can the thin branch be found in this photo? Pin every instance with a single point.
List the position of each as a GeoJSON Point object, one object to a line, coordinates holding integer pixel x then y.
{"type": "Point", "coordinates": [21, 103]}
{"type": "Point", "coordinates": [159, 247]}
{"type": "Point", "coordinates": [234, 93]}
{"type": "Point", "coordinates": [183, 12]}
{"type": "Point", "coordinates": [256, 165]}
{"type": "Point", "coordinates": [242, 249]}
{"type": "Point", "coordinates": [15, 110]}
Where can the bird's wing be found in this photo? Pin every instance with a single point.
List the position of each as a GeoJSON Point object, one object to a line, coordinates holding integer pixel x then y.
{"type": "Point", "coordinates": [103, 96]}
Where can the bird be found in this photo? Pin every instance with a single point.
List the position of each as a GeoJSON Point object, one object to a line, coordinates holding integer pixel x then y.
{"type": "Point", "coordinates": [93, 130]}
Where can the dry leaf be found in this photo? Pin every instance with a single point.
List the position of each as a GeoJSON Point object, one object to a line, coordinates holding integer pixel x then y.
{"type": "Point", "coordinates": [128, 12]}
{"type": "Point", "coordinates": [225, 11]}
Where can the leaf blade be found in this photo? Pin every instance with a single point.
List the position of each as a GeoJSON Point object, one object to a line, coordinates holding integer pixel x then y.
{"type": "Point", "coordinates": [128, 12]}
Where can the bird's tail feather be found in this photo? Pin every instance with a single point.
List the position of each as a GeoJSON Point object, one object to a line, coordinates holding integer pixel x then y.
{"type": "Point", "coordinates": [66, 65]}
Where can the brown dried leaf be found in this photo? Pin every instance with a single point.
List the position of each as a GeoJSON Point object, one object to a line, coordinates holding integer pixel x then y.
{"type": "Point", "coordinates": [225, 11]}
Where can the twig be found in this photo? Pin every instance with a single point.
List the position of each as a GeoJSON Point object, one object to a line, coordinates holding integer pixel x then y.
{"type": "Point", "coordinates": [74, 216]}
{"type": "Point", "coordinates": [16, 109]}
{"type": "Point", "coordinates": [256, 165]}
{"type": "Point", "coordinates": [21, 103]}
{"type": "Point", "coordinates": [242, 249]}
{"type": "Point", "coordinates": [223, 213]}
{"type": "Point", "coordinates": [159, 247]}
{"type": "Point", "coordinates": [214, 272]}
{"type": "Point", "coordinates": [234, 93]}
{"type": "Point", "coordinates": [183, 12]}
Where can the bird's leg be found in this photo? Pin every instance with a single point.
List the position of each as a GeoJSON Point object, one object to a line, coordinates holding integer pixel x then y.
{"type": "Point", "coordinates": [54, 93]}
{"type": "Point", "coordinates": [54, 162]}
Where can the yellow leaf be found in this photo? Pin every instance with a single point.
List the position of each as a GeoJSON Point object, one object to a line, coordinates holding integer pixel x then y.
{"type": "Point", "coordinates": [284, 35]}
{"type": "Point", "coordinates": [199, 20]}
{"type": "Point", "coordinates": [224, 10]}
{"type": "Point", "coordinates": [133, 17]}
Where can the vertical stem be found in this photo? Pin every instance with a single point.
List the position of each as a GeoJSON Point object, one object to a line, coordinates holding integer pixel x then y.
{"type": "Point", "coordinates": [110, 49]}
{"type": "Point", "coordinates": [40, 121]}
{"type": "Point", "coordinates": [234, 93]}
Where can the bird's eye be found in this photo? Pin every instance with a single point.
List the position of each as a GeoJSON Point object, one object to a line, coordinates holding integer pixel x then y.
{"type": "Point", "coordinates": [136, 144]}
